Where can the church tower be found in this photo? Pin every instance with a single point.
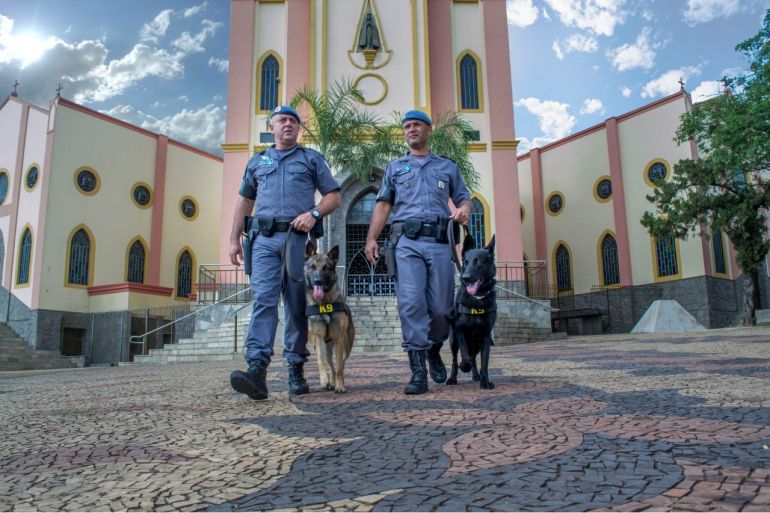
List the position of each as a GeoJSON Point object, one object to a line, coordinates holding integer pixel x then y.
{"type": "Point", "coordinates": [433, 55]}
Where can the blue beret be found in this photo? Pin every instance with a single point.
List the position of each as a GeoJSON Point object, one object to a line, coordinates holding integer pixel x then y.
{"type": "Point", "coordinates": [418, 115]}
{"type": "Point", "coordinates": [285, 109]}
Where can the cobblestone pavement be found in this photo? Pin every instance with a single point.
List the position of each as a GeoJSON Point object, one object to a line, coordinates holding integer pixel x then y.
{"type": "Point", "coordinates": [627, 423]}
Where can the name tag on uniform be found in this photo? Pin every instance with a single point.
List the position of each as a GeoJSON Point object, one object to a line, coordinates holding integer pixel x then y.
{"type": "Point", "coordinates": [403, 170]}
{"type": "Point", "coordinates": [477, 311]}
{"type": "Point", "coordinates": [441, 184]}
{"type": "Point", "coordinates": [326, 308]}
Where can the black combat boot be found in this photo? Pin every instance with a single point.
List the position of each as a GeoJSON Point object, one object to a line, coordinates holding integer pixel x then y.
{"type": "Point", "coordinates": [419, 382]}
{"type": "Point", "coordinates": [253, 382]}
{"type": "Point", "coordinates": [297, 381]}
{"type": "Point", "coordinates": [435, 365]}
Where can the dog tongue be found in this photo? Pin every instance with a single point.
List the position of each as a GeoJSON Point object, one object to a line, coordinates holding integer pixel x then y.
{"type": "Point", "coordinates": [318, 292]}
{"type": "Point", "coordinates": [473, 288]}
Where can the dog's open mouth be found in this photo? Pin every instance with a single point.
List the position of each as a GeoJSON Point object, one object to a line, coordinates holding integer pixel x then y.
{"type": "Point", "coordinates": [473, 288]}
{"type": "Point", "coordinates": [318, 292]}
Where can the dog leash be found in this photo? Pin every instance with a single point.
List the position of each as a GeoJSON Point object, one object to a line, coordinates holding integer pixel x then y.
{"type": "Point", "coordinates": [287, 252]}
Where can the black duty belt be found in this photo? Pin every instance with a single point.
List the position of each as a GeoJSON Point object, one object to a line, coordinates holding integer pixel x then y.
{"type": "Point", "coordinates": [414, 228]}
{"type": "Point", "coordinates": [324, 309]}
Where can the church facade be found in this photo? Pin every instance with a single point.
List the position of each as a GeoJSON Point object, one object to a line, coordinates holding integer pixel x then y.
{"type": "Point", "coordinates": [432, 55]}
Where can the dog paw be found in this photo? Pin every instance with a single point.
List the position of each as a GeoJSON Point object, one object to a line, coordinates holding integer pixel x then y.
{"type": "Point", "coordinates": [340, 390]}
{"type": "Point", "coordinates": [451, 381]}
{"type": "Point", "coordinates": [328, 386]}
{"type": "Point", "coordinates": [465, 366]}
{"type": "Point", "coordinates": [488, 385]}
{"type": "Point", "coordinates": [476, 377]}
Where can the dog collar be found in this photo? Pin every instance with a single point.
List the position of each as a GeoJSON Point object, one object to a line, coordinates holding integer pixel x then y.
{"type": "Point", "coordinates": [475, 311]}
{"type": "Point", "coordinates": [326, 308]}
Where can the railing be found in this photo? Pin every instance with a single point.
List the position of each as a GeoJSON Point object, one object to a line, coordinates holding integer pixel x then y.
{"type": "Point", "coordinates": [218, 282]}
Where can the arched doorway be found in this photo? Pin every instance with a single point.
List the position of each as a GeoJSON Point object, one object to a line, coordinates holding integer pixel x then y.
{"type": "Point", "coordinates": [363, 279]}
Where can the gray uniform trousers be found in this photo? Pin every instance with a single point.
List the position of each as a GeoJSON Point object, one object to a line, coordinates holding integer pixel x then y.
{"type": "Point", "coordinates": [425, 291]}
{"type": "Point", "coordinates": [268, 280]}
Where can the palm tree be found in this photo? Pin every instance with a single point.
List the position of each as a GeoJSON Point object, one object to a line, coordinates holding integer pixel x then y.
{"type": "Point", "coordinates": [355, 139]}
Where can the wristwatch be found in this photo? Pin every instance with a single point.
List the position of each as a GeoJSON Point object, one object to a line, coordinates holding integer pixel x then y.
{"type": "Point", "coordinates": [316, 214]}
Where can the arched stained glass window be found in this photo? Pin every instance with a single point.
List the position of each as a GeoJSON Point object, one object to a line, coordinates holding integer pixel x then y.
{"type": "Point", "coordinates": [2, 256]}
{"type": "Point", "coordinates": [720, 264]}
{"type": "Point", "coordinates": [610, 267]}
{"type": "Point", "coordinates": [80, 249]}
{"type": "Point", "coordinates": [665, 254]}
{"type": "Point", "coordinates": [477, 223]}
{"type": "Point", "coordinates": [136, 256]}
{"type": "Point", "coordinates": [270, 80]}
{"type": "Point", "coordinates": [25, 254]}
{"type": "Point", "coordinates": [3, 186]}
{"type": "Point", "coordinates": [184, 273]}
{"type": "Point", "coordinates": [563, 273]}
{"type": "Point", "coordinates": [469, 83]}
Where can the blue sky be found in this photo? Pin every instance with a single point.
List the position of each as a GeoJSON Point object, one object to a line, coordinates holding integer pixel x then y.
{"type": "Point", "coordinates": [162, 64]}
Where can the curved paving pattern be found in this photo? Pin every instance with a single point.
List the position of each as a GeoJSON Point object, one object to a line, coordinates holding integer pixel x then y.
{"type": "Point", "coordinates": [622, 423]}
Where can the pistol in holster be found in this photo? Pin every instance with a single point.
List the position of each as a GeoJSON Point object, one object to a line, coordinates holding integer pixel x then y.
{"type": "Point", "coordinates": [247, 242]}
{"type": "Point", "coordinates": [389, 253]}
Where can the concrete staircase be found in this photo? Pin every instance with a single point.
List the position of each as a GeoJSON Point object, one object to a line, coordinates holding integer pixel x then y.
{"type": "Point", "coordinates": [378, 330]}
{"type": "Point", "coordinates": [15, 354]}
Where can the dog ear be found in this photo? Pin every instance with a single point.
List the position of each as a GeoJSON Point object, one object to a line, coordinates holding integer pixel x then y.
{"type": "Point", "coordinates": [468, 243]}
{"type": "Point", "coordinates": [334, 254]}
{"type": "Point", "coordinates": [310, 249]}
{"type": "Point", "coordinates": [491, 246]}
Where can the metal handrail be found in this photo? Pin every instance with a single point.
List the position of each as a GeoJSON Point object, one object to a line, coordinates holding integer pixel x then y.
{"type": "Point", "coordinates": [527, 298]}
{"type": "Point", "coordinates": [143, 337]}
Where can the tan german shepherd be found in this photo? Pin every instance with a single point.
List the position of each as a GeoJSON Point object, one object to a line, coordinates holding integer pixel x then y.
{"type": "Point", "coordinates": [330, 324]}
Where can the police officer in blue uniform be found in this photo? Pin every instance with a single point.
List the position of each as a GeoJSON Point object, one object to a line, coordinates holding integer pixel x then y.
{"type": "Point", "coordinates": [417, 188]}
{"type": "Point", "coordinates": [279, 187]}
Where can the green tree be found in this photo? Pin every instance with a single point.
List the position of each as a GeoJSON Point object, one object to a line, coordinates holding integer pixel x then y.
{"type": "Point", "coordinates": [354, 138]}
{"type": "Point", "coordinates": [728, 189]}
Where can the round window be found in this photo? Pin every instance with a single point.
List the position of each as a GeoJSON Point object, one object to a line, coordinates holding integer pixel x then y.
{"type": "Point", "coordinates": [555, 203]}
{"type": "Point", "coordinates": [189, 209]}
{"type": "Point", "coordinates": [604, 188]}
{"type": "Point", "coordinates": [657, 172]}
{"type": "Point", "coordinates": [86, 181]}
{"type": "Point", "coordinates": [142, 195]}
{"type": "Point", "coordinates": [32, 176]}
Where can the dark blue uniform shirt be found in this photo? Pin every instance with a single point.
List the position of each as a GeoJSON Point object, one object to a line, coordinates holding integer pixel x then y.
{"type": "Point", "coordinates": [419, 188]}
{"type": "Point", "coordinates": [284, 183]}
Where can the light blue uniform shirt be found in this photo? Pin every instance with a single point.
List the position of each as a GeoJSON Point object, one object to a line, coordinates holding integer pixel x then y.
{"type": "Point", "coordinates": [284, 183]}
{"type": "Point", "coordinates": [420, 187]}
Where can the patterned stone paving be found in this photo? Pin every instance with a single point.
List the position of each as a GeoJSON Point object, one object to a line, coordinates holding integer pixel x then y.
{"type": "Point", "coordinates": [617, 423]}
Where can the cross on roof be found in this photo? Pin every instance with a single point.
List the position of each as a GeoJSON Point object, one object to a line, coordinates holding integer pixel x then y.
{"type": "Point", "coordinates": [681, 84]}
{"type": "Point", "coordinates": [15, 85]}
{"type": "Point", "coordinates": [58, 91]}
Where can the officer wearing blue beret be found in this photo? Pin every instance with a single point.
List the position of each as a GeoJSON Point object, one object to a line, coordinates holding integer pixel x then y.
{"type": "Point", "coordinates": [279, 187]}
{"type": "Point", "coordinates": [417, 188]}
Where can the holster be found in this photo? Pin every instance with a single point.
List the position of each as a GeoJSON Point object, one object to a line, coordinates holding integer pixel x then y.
{"type": "Point", "coordinates": [389, 252]}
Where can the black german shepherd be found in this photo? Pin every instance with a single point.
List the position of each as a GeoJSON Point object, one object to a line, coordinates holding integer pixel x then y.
{"type": "Point", "coordinates": [475, 312]}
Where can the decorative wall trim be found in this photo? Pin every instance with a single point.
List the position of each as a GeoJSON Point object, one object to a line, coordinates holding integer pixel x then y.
{"type": "Point", "coordinates": [139, 288]}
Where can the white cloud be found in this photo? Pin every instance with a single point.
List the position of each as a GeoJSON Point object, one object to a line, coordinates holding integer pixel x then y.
{"type": "Point", "coordinates": [668, 82]}
{"type": "Point", "coordinates": [706, 90]}
{"type": "Point", "coordinates": [599, 16]}
{"type": "Point", "coordinates": [191, 44]}
{"type": "Point", "coordinates": [192, 11]}
{"type": "Point", "coordinates": [557, 50]}
{"type": "Point", "coordinates": [581, 43]}
{"type": "Point", "coordinates": [595, 69]}
{"type": "Point", "coordinates": [591, 105]}
{"type": "Point", "coordinates": [221, 64]}
{"type": "Point", "coordinates": [157, 27]}
{"type": "Point", "coordinates": [546, 15]}
{"type": "Point", "coordinates": [521, 12]}
{"type": "Point", "coordinates": [641, 54]}
{"type": "Point", "coordinates": [647, 15]}
{"type": "Point", "coordinates": [625, 91]}
{"type": "Point", "coordinates": [24, 49]}
{"type": "Point", "coordinates": [554, 120]}
{"type": "Point", "coordinates": [701, 11]}
{"type": "Point", "coordinates": [525, 145]}
{"type": "Point", "coordinates": [203, 128]}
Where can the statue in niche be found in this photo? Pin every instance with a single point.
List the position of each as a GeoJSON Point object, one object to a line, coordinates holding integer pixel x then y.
{"type": "Point", "coordinates": [369, 36]}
